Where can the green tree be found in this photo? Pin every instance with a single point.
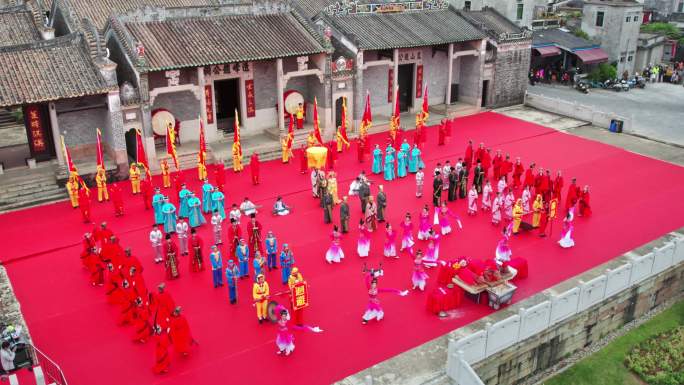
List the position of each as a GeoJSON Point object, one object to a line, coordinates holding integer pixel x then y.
{"type": "Point", "coordinates": [662, 28]}
{"type": "Point", "coordinates": [579, 33]}
{"type": "Point", "coordinates": [603, 72]}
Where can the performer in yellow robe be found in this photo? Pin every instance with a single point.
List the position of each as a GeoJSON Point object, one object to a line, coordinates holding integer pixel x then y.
{"type": "Point", "coordinates": [517, 215]}
{"type": "Point", "coordinates": [134, 175]}
{"type": "Point", "coordinates": [237, 158]}
{"type": "Point", "coordinates": [101, 180]}
{"type": "Point", "coordinates": [287, 151]}
{"type": "Point", "coordinates": [166, 174]}
{"type": "Point", "coordinates": [311, 140]}
{"type": "Point", "coordinates": [201, 168]}
{"type": "Point", "coordinates": [341, 143]}
{"type": "Point", "coordinates": [332, 187]}
{"type": "Point", "coordinates": [260, 293]}
{"type": "Point", "coordinates": [537, 207]}
{"type": "Point", "coordinates": [72, 189]}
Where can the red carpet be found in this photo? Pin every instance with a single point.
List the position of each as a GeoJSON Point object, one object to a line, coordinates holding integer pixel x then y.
{"type": "Point", "coordinates": [635, 199]}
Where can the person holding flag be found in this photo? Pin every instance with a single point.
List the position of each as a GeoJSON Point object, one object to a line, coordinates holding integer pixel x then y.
{"type": "Point", "coordinates": [287, 142]}
{"type": "Point", "coordinates": [202, 155]}
{"type": "Point", "coordinates": [171, 144]}
{"type": "Point", "coordinates": [342, 139]}
{"type": "Point", "coordinates": [141, 157]}
{"type": "Point", "coordinates": [395, 120]}
{"type": "Point", "coordinates": [366, 123]}
{"type": "Point", "coordinates": [72, 188]}
{"type": "Point", "coordinates": [166, 173]}
{"type": "Point", "coordinates": [237, 146]}
{"type": "Point", "coordinates": [101, 176]}
{"type": "Point", "coordinates": [317, 128]}
{"type": "Point", "coordinates": [134, 176]}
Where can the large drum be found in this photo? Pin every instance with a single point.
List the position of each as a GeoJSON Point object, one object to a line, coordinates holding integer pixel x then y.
{"type": "Point", "coordinates": [316, 156]}
{"type": "Point", "coordinates": [292, 99]}
{"type": "Point", "coordinates": [160, 120]}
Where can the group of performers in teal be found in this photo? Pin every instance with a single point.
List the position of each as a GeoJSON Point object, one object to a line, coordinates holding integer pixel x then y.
{"type": "Point", "coordinates": [190, 206]}
{"type": "Point", "coordinates": [407, 160]}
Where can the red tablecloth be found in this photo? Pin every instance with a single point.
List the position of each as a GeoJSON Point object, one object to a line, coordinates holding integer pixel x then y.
{"type": "Point", "coordinates": [446, 273]}
{"type": "Point", "coordinates": [519, 264]}
{"type": "Point", "coordinates": [444, 299]}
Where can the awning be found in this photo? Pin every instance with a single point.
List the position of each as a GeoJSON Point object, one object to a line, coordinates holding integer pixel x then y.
{"type": "Point", "coordinates": [551, 50]}
{"type": "Point", "coordinates": [592, 56]}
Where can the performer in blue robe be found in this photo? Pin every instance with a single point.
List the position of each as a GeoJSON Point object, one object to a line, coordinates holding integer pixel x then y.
{"type": "Point", "coordinates": [389, 166]}
{"type": "Point", "coordinates": [157, 203]}
{"type": "Point", "coordinates": [401, 164]}
{"type": "Point", "coordinates": [286, 262]}
{"type": "Point", "coordinates": [207, 189]}
{"type": "Point", "coordinates": [406, 147]}
{"type": "Point", "coordinates": [217, 203]}
{"type": "Point", "coordinates": [377, 160]}
{"type": "Point", "coordinates": [415, 162]}
{"type": "Point", "coordinates": [232, 274]}
{"type": "Point", "coordinates": [183, 208]}
{"type": "Point", "coordinates": [195, 216]}
{"type": "Point", "coordinates": [169, 212]}
{"type": "Point", "coordinates": [242, 253]}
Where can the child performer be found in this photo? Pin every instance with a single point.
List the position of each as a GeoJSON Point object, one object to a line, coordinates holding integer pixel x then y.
{"type": "Point", "coordinates": [285, 339]}
{"type": "Point", "coordinates": [363, 245]}
{"type": "Point", "coordinates": [444, 214]}
{"type": "Point", "coordinates": [334, 253]}
{"type": "Point", "coordinates": [566, 240]}
{"type": "Point", "coordinates": [407, 236]}
{"type": "Point", "coordinates": [374, 309]}
{"type": "Point", "coordinates": [419, 277]}
{"type": "Point", "coordinates": [424, 227]}
{"type": "Point", "coordinates": [390, 249]}
{"type": "Point", "coordinates": [432, 254]}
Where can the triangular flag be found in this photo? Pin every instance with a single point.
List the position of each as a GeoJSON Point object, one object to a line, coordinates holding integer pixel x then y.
{"type": "Point", "coordinates": [100, 156]}
{"type": "Point", "coordinates": [425, 112]}
{"type": "Point", "coordinates": [202, 144]}
{"type": "Point", "coordinates": [343, 126]}
{"type": "Point", "coordinates": [140, 156]}
{"type": "Point", "coordinates": [236, 136]}
{"type": "Point", "coordinates": [317, 128]}
{"type": "Point", "coordinates": [171, 144]}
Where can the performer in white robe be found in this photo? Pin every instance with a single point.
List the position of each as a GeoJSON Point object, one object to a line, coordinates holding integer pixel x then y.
{"type": "Point", "coordinates": [526, 195]}
{"type": "Point", "coordinates": [497, 206]}
{"type": "Point", "coordinates": [487, 196]}
{"type": "Point", "coordinates": [501, 186]}
{"type": "Point", "coordinates": [472, 201]}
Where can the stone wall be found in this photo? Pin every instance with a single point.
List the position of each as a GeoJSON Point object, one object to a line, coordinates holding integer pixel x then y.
{"type": "Point", "coordinates": [510, 74]}
{"type": "Point", "coordinates": [513, 344]}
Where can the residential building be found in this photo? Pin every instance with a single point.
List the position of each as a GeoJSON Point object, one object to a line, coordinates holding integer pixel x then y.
{"type": "Point", "coordinates": [615, 24]}
{"type": "Point", "coordinates": [560, 50]}
{"type": "Point", "coordinates": [521, 12]}
{"type": "Point", "coordinates": [650, 50]}
{"type": "Point", "coordinates": [664, 8]}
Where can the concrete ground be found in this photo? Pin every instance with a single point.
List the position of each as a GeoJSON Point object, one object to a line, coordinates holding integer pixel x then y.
{"type": "Point", "coordinates": [657, 110]}
{"type": "Point", "coordinates": [650, 148]}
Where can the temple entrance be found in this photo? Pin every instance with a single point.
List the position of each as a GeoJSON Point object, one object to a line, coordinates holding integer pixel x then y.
{"type": "Point", "coordinates": [405, 82]}
{"type": "Point", "coordinates": [227, 96]}
{"type": "Point", "coordinates": [131, 145]}
{"type": "Point", "coordinates": [485, 88]}
{"type": "Point", "coordinates": [338, 112]}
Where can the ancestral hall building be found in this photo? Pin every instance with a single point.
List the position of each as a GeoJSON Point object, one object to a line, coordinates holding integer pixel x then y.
{"type": "Point", "coordinates": [156, 62]}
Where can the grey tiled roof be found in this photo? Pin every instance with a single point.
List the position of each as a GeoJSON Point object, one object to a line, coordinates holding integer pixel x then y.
{"type": "Point", "coordinates": [407, 29]}
{"type": "Point", "coordinates": [48, 70]}
{"type": "Point", "coordinates": [192, 42]}
{"type": "Point", "coordinates": [98, 11]}
{"type": "Point", "coordinates": [560, 38]}
{"type": "Point", "coordinates": [17, 26]}
{"type": "Point", "coordinates": [311, 8]}
{"type": "Point", "coordinates": [493, 21]}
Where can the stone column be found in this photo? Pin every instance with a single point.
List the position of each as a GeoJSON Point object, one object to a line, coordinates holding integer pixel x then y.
{"type": "Point", "coordinates": [280, 86]}
{"type": "Point", "coordinates": [450, 73]}
{"type": "Point", "coordinates": [56, 135]}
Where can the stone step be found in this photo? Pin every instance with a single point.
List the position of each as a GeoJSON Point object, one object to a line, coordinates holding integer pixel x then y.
{"type": "Point", "coordinates": [20, 186]}
{"type": "Point", "coordinates": [29, 192]}
{"type": "Point", "coordinates": [33, 202]}
{"type": "Point", "coordinates": [34, 196]}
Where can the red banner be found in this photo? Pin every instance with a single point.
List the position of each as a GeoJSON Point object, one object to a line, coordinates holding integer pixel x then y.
{"type": "Point", "coordinates": [300, 295]}
{"type": "Point", "coordinates": [390, 85]}
{"type": "Point", "coordinates": [419, 81]}
{"type": "Point", "coordinates": [35, 129]}
{"type": "Point", "coordinates": [209, 101]}
{"type": "Point", "coordinates": [249, 94]}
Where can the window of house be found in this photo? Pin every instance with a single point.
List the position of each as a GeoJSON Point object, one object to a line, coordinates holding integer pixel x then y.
{"type": "Point", "coordinates": [519, 12]}
{"type": "Point", "coordinates": [636, 18]}
{"type": "Point", "coordinates": [627, 19]}
{"type": "Point", "coordinates": [622, 59]}
{"type": "Point", "coordinates": [466, 6]}
{"type": "Point", "coordinates": [599, 19]}
{"type": "Point", "coordinates": [630, 57]}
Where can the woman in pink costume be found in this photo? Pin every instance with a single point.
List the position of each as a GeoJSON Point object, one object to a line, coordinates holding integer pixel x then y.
{"type": "Point", "coordinates": [566, 240]}
{"type": "Point", "coordinates": [374, 309]}
{"type": "Point", "coordinates": [285, 339]}
{"type": "Point", "coordinates": [432, 254]}
{"type": "Point", "coordinates": [443, 214]}
{"type": "Point", "coordinates": [503, 251]}
{"type": "Point", "coordinates": [363, 245]}
{"type": "Point", "coordinates": [424, 226]}
{"type": "Point", "coordinates": [390, 249]}
{"type": "Point", "coordinates": [334, 253]}
{"type": "Point", "coordinates": [419, 276]}
{"type": "Point", "coordinates": [407, 236]}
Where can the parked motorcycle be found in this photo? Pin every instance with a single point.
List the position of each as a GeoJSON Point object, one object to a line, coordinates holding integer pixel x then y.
{"type": "Point", "coordinates": [582, 87]}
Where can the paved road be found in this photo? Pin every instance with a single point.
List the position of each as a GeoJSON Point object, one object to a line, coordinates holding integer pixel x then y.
{"type": "Point", "coordinates": [657, 111]}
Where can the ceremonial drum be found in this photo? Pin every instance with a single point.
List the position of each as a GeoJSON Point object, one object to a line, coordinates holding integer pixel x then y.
{"type": "Point", "coordinates": [292, 99]}
{"type": "Point", "coordinates": [160, 120]}
{"type": "Point", "coordinates": [316, 156]}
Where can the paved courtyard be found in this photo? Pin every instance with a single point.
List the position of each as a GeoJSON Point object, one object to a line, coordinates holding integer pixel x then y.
{"type": "Point", "coordinates": [657, 111]}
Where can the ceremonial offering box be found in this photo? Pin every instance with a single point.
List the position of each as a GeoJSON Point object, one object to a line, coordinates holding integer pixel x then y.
{"type": "Point", "coordinates": [316, 156]}
{"type": "Point", "coordinates": [500, 294]}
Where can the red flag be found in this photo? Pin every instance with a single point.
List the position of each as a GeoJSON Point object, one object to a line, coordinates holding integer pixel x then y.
{"type": "Point", "coordinates": [140, 156]}
{"type": "Point", "coordinates": [171, 144]}
{"type": "Point", "coordinates": [367, 119]}
{"type": "Point", "coordinates": [202, 144]}
{"type": "Point", "coordinates": [343, 126]}
{"type": "Point", "coordinates": [317, 128]}
{"type": "Point", "coordinates": [72, 168]}
{"type": "Point", "coordinates": [425, 112]}
{"type": "Point", "coordinates": [237, 146]}
{"type": "Point", "coordinates": [100, 157]}
{"type": "Point", "coordinates": [290, 133]}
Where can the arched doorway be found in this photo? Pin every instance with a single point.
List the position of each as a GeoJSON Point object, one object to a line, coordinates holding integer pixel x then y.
{"type": "Point", "coordinates": [131, 144]}
{"type": "Point", "coordinates": [338, 112]}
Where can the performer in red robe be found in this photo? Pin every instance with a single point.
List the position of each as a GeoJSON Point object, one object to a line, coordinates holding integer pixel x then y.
{"type": "Point", "coordinates": [130, 260]}
{"type": "Point", "coordinates": [418, 135]}
{"type": "Point", "coordinates": [468, 159]}
{"type": "Point", "coordinates": [234, 236]}
{"type": "Point", "coordinates": [161, 352]}
{"type": "Point", "coordinates": [179, 332]}
{"type": "Point", "coordinates": [496, 165]}
{"type": "Point", "coordinates": [573, 194]}
{"type": "Point", "coordinates": [113, 285]}
{"type": "Point", "coordinates": [113, 253]}
{"type": "Point", "coordinates": [254, 168]}
{"type": "Point", "coordinates": [303, 162]}
{"type": "Point", "coordinates": [331, 155]}
{"type": "Point", "coordinates": [89, 246]}
{"type": "Point", "coordinates": [585, 203]}
{"type": "Point", "coordinates": [361, 151]}
{"type": "Point", "coordinates": [486, 162]}
{"type": "Point", "coordinates": [178, 182]}
{"type": "Point", "coordinates": [171, 258]}
{"type": "Point", "coordinates": [518, 171]}
{"type": "Point", "coordinates": [529, 177]}
{"type": "Point", "coordinates": [102, 234]}
{"type": "Point", "coordinates": [220, 176]}
{"type": "Point", "coordinates": [506, 167]}
{"type": "Point", "coordinates": [161, 306]}
{"type": "Point", "coordinates": [545, 186]}
{"type": "Point", "coordinates": [84, 203]}
{"type": "Point", "coordinates": [117, 199]}
{"type": "Point", "coordinates": [442, 132]}
{"type": "Point", "coordinates": [544, 219]}
{"type": "Point", "coordinates": [126, 303]}
{"type": "Point", "coordinates": [142, 325]}
{"type": "Point", "coordinates": [147, 191]}
{"type": "Point", "coordinates": [197, 252]}
{"type": "Point", "coordinates": [558, 186]}
{"type": "Point", "coordinates": [479, 153]}
{"type": "Point", "coordinates": [254, 232]}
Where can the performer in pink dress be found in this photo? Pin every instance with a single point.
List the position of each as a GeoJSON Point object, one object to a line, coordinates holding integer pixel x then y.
{"type": "Point", "coordinates": [363, 245]}
{"type": "Point", "coordinates": [566, 240]}
{"type": "Point", "coordinates": [487, 196]}
{"type": "Point", "coordinates": [444, 213]}
{"type": "Point", "coordinates": [432, 253]}
{"type": "Point", "coordinates": [285, 339]}
{"type": "Point", "coordinates": [407, 241]}
{"type": "Point", "coordinates": [374, 309]}
{"type": "Point", "coordinates": [390, 249]}
{"type": "Point", "coordinates": [503, 251]}
{"type": "Point", "coordinates": [419, 277]}
{"type": "Point", "coordinates": [424, 226]}
{"type": "Point", "coordinates": [334, 253]}
{"type": "Point", "coordinates": [496, 209]}
{"type": "Point", "coordinates": [526, 195]}
{"type": "Point", "coordinates": [472, 201]}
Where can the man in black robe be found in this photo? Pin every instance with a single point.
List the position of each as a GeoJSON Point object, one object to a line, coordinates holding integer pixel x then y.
{"type": "Point", "coordinates": [463, 183]}
{"type": "Point", "coordinates": [478, 175]}
{"type": "Point", "coordinates": [453, 184]}
{"type": "Point", "coordinates": [344, 216]}
{"type": "Point", "coordinates": [381, 200]}
{"type": "Point", "coordinates": [327, 201]}
{"type": "Point", "coordinates": [437, 184]}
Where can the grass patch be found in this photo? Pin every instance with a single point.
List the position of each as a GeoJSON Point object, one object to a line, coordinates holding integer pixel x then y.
{"type": "Point", "coordinates": [607, 366]}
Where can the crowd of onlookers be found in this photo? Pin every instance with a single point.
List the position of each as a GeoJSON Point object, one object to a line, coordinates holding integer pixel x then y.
{"type": "Point", "coordinates": [668, 73]}
{"type": "Point", "coordinates": [660, 73]}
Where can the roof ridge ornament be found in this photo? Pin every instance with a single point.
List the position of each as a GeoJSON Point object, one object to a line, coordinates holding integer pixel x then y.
{"type": "Point", "coordinates": [344, 7]}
